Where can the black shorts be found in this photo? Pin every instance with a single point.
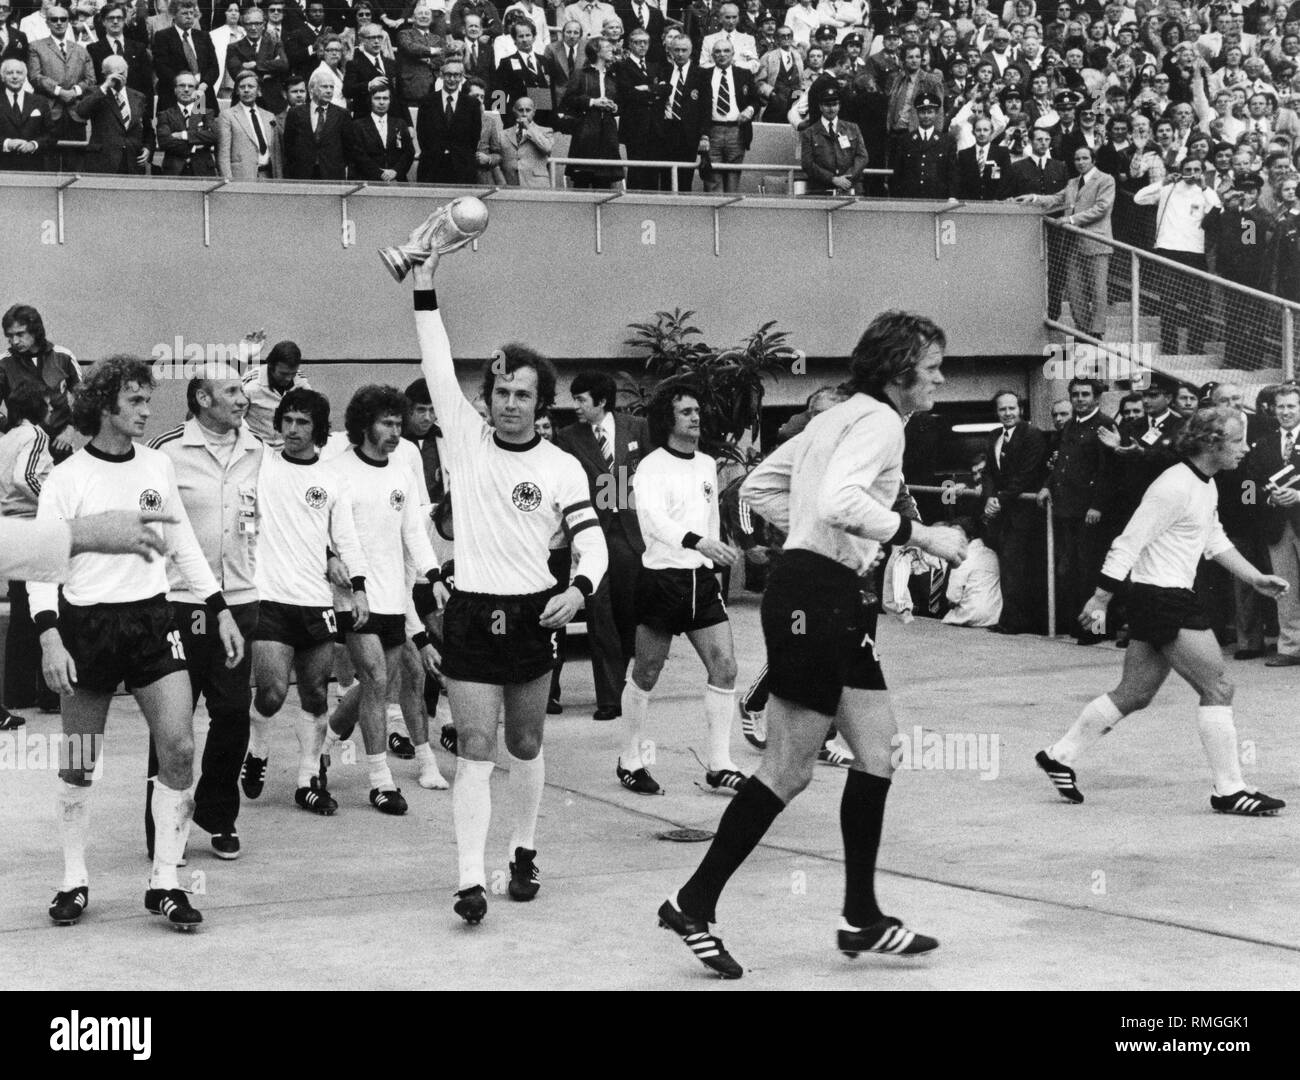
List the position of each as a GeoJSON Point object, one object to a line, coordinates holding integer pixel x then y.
{"type": "Point", "coordinates": [135, 643]}
{"type": "Point", "coordinates": [820, 631]}
{"type": "Point", "coordinates": [390, 629]}
{"type": "Point", "coordinates": [678, 601]}
{"type": "Point", "coordinates": [1156, 614]}
{"type": "Point", "coordinates": [294, 625]}
{"type": "Point", "coordinates": [496, 639]}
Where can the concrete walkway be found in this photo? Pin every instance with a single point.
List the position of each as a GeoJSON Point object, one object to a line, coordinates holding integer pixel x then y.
{"type": "Point", "coordinates": [1142, 887]}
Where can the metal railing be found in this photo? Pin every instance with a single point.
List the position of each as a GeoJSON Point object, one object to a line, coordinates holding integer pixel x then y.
{"type": "Point", "coordinates": [775, 169]}
{"type": "Point", "coordinates": [960, 491]}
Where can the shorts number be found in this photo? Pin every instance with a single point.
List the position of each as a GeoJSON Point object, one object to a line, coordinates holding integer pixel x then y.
{"type": "Point", "coordinates": [174, 640]}
{"type": "Point", "coordinates": [331, 623]}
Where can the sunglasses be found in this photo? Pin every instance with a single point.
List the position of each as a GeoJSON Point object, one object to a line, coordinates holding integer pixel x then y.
{"type": "Point", "coordinates": [57, 19]}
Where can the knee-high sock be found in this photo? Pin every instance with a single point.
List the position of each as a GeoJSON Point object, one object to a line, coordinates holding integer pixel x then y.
{"type": "Point", "coordinates": [380, 775]}
{"type": "Point", "coordinates": [719, 706]}
{"type": "Point", "coordinates": [259, 733]}
{"type": "Point", "coordinates": [1097, 718]}
{"type": "Point", "coordinates": [394, 720]}
{"type": "Point", "coordinates": [862, 815]}
{"type": "Point", "coordinates": [747, 817]}
{"type": "Point", "coordinates": [1219, 737]}
{"type": "Point", "coordinates": [636, 706]}
{"type": "Point", "coordinates": [74, 824]}
{"type": "Point", "coordinates": [172, 811]}
{"type": "Point", "coordinates": [524, 794]}
{"type": "Point", "coordinates": [311, 738]}
{"type": "Point", "coordinates": [471, 808]}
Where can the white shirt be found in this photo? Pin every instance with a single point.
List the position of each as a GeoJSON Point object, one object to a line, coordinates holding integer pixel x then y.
{"type": "Point", "coordinates": [264, 158]}
{"type": "Point", "coordinates": [975, 588]}
{"type": "Point", "coordinates": [381, 126]}
{"type": "Point", "coordinates": [537, 15]}
{"type": "Point", "coordinates": [1182, 209]}
{"type": "Point", "coordinates": [715, 82]}
{"type": "Point", "coordinates": [744, 53]}
{"type": "Point", "coordinates": [263, 400]}
{"type": "Point", "coordinates": [676, 498]}
{"type": "Point", "coordinates": [35, 27]}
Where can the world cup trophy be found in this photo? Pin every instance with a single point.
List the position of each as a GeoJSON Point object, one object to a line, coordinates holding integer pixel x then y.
{"type": "Point", "coordinates": [449, 228]}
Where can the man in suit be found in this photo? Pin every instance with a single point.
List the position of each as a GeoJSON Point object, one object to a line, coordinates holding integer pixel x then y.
{"type": "Point", "coordinates": [1017, 465]}
{"type": "Point", "coordinates": [590, 15]}
{"type": "Point", "coordinates": [13, 42]}
{"type": "Point", "coordinates": [448, 130]}
{"type": "Point", "coordinates": [641, 96]}
{"type": "Point", "coordinates": [316, 135]}
{"type": "Point", "coordinates": [681, 126]}
{"type": "Point", "coordinates": [419, 56]}
{"type": "Point", "coordinates": [610, 446]}
{"type": "Point", "coordinates": [779, 77]}
{"type": "Point", "coordinates": [381, 141]}
{"type": "Point", "coordinates": [262, 55]}
{"type": "Point", "coordinates": [1040, 174]}
{"type": "Point", "coordinates": [114, 42]}
{"type": "Point", "coordinates": [480, 60]}
{"type": "Point", "coordinates": [729, 100]}
{"type": "Point", "coordinates": [567, 53]}
{"type": "Point", "coordinates": [121, 129]}
{"type": "Point", "coordinates": [904, 89]}
{"type": "Point", "coordinates": [744, 53]}
{"type": "Point", "coordinates": [26, 129]}
{"type": "Point", "coordinates": [831, 150]}
{"type": "Point", "coordinates": [1279, 515]}
{"type": "Point", "coordinates": [526, 149]}
{"type": "Point", "coordinates": [924, 157]}
{"type": "Point", "coordinates": [187, 132]}
{"type": "Point", "coordinates": [365, 70]}
{"type": "Point", "coordinates": [983, 171]}
{"type": "Point", "coordinates": [249, 138]}
{"type": "Point", "coordinates": [639, 13]}
{"type": "Point", "coordinates": [300, 42]}
{"type": "Point", "coordinates": [184, 47]}
{"type": "Point", "coordinates": [525, 74]}
{"type": "Point", "coordinates": [62, 70]}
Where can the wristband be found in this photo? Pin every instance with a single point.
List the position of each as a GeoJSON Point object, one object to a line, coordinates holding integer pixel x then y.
{"type": "Point", "coordinates": [583, 584]}
{"type": "Point", "coordinates": [358, 584]}
{"type": "Point", "coordinates": [904, 533]}
{"type": "Point", "coordinates": [426, 300]}
{"type": "Point", "coordinates": [434, 576]}
{"type": "Point", "coordinates": [45, 620]}
{"type": "Point", "coordinates": [420, 639]}
{"type": "Point", "coordinates": [216, 603]}
{"type": "Point", "coordinates": [691, 539]}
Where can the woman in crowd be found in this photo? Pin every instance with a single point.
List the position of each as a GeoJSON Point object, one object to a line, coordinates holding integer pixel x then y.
{"type": "Point", "coordinates": [591, 99]}
{"type": "Point", "coordinates": [222, 38]}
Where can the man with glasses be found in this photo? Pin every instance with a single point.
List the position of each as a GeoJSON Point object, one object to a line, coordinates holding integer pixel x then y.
{"type": "Point", "coordinates": [369, 70]}
{"type": "Point", "coordinates": [779, 77]}
{"type": "Point", "coordinates": [264, 56]}
{"type": "Point", "coordinates": [62, 71]}
{"type": "Point", "coordinates": [184, 47]}
{"type": "Point", "coordinates": [187, 133]}
{"type": "Point", "coordinates": [448, 130]}
{"type": "Point", "coordinates": [276, 27]}
{"type": "Point", "coordinates": [114, 42]}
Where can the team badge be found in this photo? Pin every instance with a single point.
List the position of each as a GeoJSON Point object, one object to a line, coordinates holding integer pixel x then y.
{"type": "Point", "coordinates": [527, 496]}
{"type": "Point", "coordinates": [316, 497]}
{"type": "Point", "coordinates": [708, 490]}
{"type": "Point", "coordinates": [397, 499]}
{"type": "Point", "coordinates": [150, 501]}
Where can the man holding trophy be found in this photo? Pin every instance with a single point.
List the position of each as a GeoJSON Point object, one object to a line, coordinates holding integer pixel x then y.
{"type": "Point", "coordinates": [512, 491]}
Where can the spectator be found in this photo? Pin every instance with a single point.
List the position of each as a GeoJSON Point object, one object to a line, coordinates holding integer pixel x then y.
{"type": "Point", "coordinates": [526, 149]}
{"type": "Point", "coordinates": [249, 138]}
{"type": "Point", "coordinates": [488, 154]}
{"type": "Point", "coordinates": [187, 133]}
{"type": "Point", "coordinates": [265, 57]}
{"type": "Point", "coordinates": [448, 128]}
{"type": "Point", "coordinates": [566, 54]}
{"type": "Point", "coordinates": [364, 14]}
{"type": "Point", "coordinates": [525, 73]}
{"type": "Point", "coordinates": [331, 68]}
{"type": "Point", "coordinates": [591, 99]}
{"type": "Point", "coordinates": [1039, 174]}
{"type": "Point", "coordinates": [367, 69]}
{"type": "Point", "coordinates": [14, 44]}
{"type": "Point", "coordinates": [831, 150]}
{"type": "Point", "coordinates": [981, 172]}
{"type": "Point", "coordinates": [25, 462]}
{"type": "Point", "coordinates": [1279, 515]}
{"type": "Point", "coordinates": [62, 71]}
{"type": "Point", "coordinates": [1016, 465]}
{"type": "Point", "coordinates": [381, 148]}
{"type": "Point", "coordinates": [302, 43]}
{"type": "Point", "coordinates": [32, 359]}
{"type": "Point", "coordinates": [419, 56]}
{"type": "Point", "coordinates": [26, 126]}
{"type": "Point", "coordinates": [316, 135]}
{"type": "Point", "coordinates": [1187, 399]}
{"type": "Point", "coordinates": [590, 16]}
{"type": "Point", "coordinates": [115, 41]}
{"type": "Point", "coordinates": [975, 588]}
{"type": "Point", "coordinates": [641, 96]}
{"type": "Point", "coordinates": [744, 53]}
{"type": "Point", "coordinates": [923, 159]}
{"type": "Point", "coordinates": [1284, 261]}
{"type": "Point", "coordinates": [121, 129]}
{"type": "Point", "coordinates": [682, 132]}
{"type": "Point", "coordinates": [478, 54]}
{"type": "Point", "coordinates": [222, 37]}
{"type": "Point", "coordinates": [779, 78]}
{"type": "Point", "coordinates": [184, 47]}
{"type": "Point", "coordinates": [536, 15]}
{"type": "Point", "coordinates": [905, 89]}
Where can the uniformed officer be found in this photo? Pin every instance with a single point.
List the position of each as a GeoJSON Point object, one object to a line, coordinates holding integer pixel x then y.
{"type": "Point", "coordinates": [925, 156]}
{"type": "Point", "coordinates": [831, 150]}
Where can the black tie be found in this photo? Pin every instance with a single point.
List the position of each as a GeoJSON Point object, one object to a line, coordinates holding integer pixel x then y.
{"type": "Point", "coordinates": [257, 130]}
{"type": "Point", "coordinates": [724, 94]}
{"type": "Point", "coordinates": [117, 46]}
{"type": "Point", "coordinates": [320, 121]}
{"type": "Point", "coordinates": [451, 110]}
{"type": "Point", "coordinates": [572, 59]}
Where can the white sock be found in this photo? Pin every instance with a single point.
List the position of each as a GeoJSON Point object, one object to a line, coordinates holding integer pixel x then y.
{"type": "Point", "coordinates": [430, 775]}
{"type": "Point", "coordinates": [636, 706]}
{"type": "Point", "coordinates": [380, 776]}
{"type": "Point", "coordinates": [524, 794]}
{"type": "Point", "coordinates": [311, 736]}
{"type": "Point", "coordinates": [719, 707]}
{"type": "Point", "coordinates": [172, 811]}
{"type": "Point", "coordinates": [1219, 737]}
{"type": "Point", "coordinates": [471, 809]}
{"type": "Point", "coordinates": [259, 734]}
{"type": "Point", "coordinates": [395, 721]}
{"type": "Point", "coordinates": [1097, 718]}
{"type": "Point", "coordinates": [74, 824]}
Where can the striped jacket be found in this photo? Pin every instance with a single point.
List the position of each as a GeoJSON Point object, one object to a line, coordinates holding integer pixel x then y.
{"type": "Point", "coordinates": [25, 462]}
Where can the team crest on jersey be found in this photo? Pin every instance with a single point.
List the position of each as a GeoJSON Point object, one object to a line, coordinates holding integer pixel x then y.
{"type": "Point", "coordinates": [708, 490]}
{"type": "Point", "coordinates": [150, 501]}
{"type": "Point", "coordinates": [527, 496]}
{"type": "Point", "coordinates": [316, 497]}
{"type": "Point", "coordinates": [397, 499]}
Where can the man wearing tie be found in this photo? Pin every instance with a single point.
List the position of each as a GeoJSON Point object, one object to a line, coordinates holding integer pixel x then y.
{"type": "Point", "coordinates": [567, 53]}
{"type": "Point", "coordinates": [381, 141]}
{"type": "Point", "coordinates": [925, 157]}
{"type": "Point", "coordinates": [13, 42]}
{"type": "Point", "coordinates": [731, 98]}
{"type": "Point", "coordinates": [187, 133]}
{"type": "Point", "coordinates": [61, 70]}
{"type": "Point", "coordinates": [641, 96]}
{"type": "Point", "coordinates": [526, 149]}
{"type": "Point", "coordinates": [366, 69]}
{"type": "Point", "coordinates": [744, 51]}
{"type": "Point", "coordinates": [590, 16]}
{"type": "Point", "coordinates": [26, 130]}
{"type": "Point", "coordinates": [249, 140]}
{"type": "Point", "coordinates": [831, 151]}
{"type": "Point", "coordinates": [114, 42]}
{"type": "Point", "coordinates": [681, 128]}
{"type": "Point", "coordinates": [983, 171]}
{"type": "Point", "coordinates": [263, 55]}
{"type": "Point", "coordinates": [121, 128]}
{"type": "Point", "coordinates": [478, 55]}
{"type": "Point", "coordinates": [184, 47]}
{"type": "Point", "coordinates": [638, 14]}
{"type": "Point", "coordinates": [448, 129]}
{"type": "Point", "coordinates": [1279, 514]}
{"type": "Point", "coordinates": [316, 135]}
{"type": "Point", "coordinates": [780, 77]}
{"type": "Point", "coordinates": [524, 74]}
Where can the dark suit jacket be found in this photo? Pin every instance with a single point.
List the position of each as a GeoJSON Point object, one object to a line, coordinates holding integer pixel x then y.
{"type": "Point", "coordinates": [272, 69]}
{"type": "Point", "coordinates": [169, 61]}
{"type": "Point", "coordinates": [924, 168]}
{"type": "Point", "coordinates": [357, 75]}
{"type": "Point", "coordinates": [1080, 465]}
{"type": "Point", "coordinates": [139, 64]}
{"type": "Point", "coordinates": [33, 124]}
{"type": "Point", "coordinates": [968, 182]}
{"type": "Point", "coordinates": [824, 158]}
{"type": "Point", "coordinates": [370, 157]}
{"type": "Point", "coordinates": [513, 80]}
{"type": "Point", "coordinates": [639, 110]}
{"type": "Point", "coordinates": [631, 444]}
{"type": "Point", "coordinates": [485, 64]}
{"type": "Point", "coordinates": [1071, 142]}
{"type": "Point", "coordinates": [414, 73]}
{"type": "Point", "coordinates": [447, 152]}
{"type": "Point", "coordinates": [16, 47]}
{"type": "Point", "coordinates": [557, 52]}
{"type": "Point", "coordinates": [746, 98]}
{"type": "Point", "coordinates": [1028, 179]}
{"type": "Point", "coordinates": [1023, 468]}
{"type": "Point", "coordinates": [627, 13]}
{"type": "Point", "coordinates": [1265, 460]}
{"type": "Point", "coordinates": [194, 155]}
{"type": "Point", "coordinates": [310, 155]}
{"type": "Point", "coordinates": [114, 148]}
{"type": "Point", "coordinates": [300, 46]}
{"type": "Point", "coordinates": [1127, 476]}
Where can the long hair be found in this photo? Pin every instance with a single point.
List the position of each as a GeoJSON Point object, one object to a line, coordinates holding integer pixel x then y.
{"type": "Point", "coordinates": [891, 347]}
{"type": "Point", "coordinates": [27, 401]}
{"type": "Point", "coordinates": [31, 318]}
{"type": "Point", "coordinates": [599, 384]}
{"type": "Point", "coordinates": [368, 404]}
{"type": "Point", "coordinates": [659, 414]}
{"type": "Point", "coordinates": [1207, 429]}
{"type": "Point", "coordinates": [97, 393]}
{"type": "Point", "coordinates": [313, 404]}
{"type": "Point", "coordinates": [509, 359]}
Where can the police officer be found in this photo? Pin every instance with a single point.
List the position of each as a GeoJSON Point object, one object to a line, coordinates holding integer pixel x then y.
{"type": "Point", "coordinates": [925, 157]}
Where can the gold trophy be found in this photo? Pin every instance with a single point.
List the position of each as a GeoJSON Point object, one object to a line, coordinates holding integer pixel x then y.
{"type": "Point", "coordinates": [447, 229]}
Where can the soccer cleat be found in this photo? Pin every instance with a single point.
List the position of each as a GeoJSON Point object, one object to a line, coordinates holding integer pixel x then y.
{"type": "Point", "coordinates": [447, 738]}
{"type": "Point", "coordinates": [1245, 803]}
{"type": "Point", "coordinates": [726, 779]}
{"type": "Point", "coordinates": [225, 845]}
{"type": "Point", "coordinates": [888, 936]}
{"type": "Point", "coordinates": [753, 725]}
{"type": "Point", "coordinates": [388, 802]}
{"type": "Point", "coordinates": [707, 948]}
{"type": "Point", "coordinates": [830, 754]}
{"type": "Point", "coordinates": [553, 707]}
{"type": "Point", "coordinates": [252, 776]}
{"type": "Point", "coordinates": [400, 746]}
{"type": "Point", "coordinates": [525, 878]}
{"type": "Point", "coordinates": [316, 799]}
{"type": "Point", "coordinates": [175, 905]}
{"type": "Point", "coordinates": [637, 780]}
{"type": "Point", "coordinates": [1060, 775]}
{"type": "Point", "coordinates": [66, 907]}
{"type": "Point", "coordinates": [10, 721]}
{"type": "Point", "coordinates": [471, 904]}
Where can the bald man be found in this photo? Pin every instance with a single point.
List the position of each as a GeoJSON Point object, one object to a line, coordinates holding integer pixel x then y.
{"type": "Point", "coordinates": [121, 123]}
{"type": "Point", "coordinates": [26, 130]}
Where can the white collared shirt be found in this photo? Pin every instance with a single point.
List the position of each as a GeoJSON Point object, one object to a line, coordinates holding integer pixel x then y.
{"type": "Point", "coordinates": [733, 113]}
